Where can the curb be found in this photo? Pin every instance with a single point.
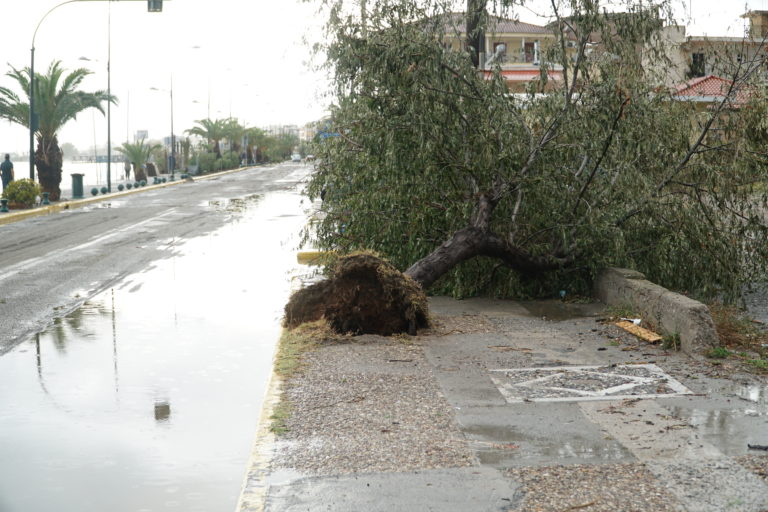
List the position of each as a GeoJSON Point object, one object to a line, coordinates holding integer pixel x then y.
{"type": "Point", "coordinates": [672, 313]}
{"type": "Point", "coordinates": [9, 218]}
{"type": "Point", "coordinates": [253, 492]}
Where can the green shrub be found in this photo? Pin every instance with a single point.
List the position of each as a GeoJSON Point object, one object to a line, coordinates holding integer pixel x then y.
{"type": "Point", "coordinates": [22, 192]}
{"type": "Point", "coordinates": [207, 162]}
{"type": "Point", "coordinates": [718, 353]}
{"type": "Point", "coordinates": [229, 160]}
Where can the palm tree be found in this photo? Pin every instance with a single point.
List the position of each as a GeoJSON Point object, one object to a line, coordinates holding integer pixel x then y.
{"type": "Point", "coordinates": [234, 132]}
{"type": "Point", "coordinates": [212, 130]}
{"type": "Point", "coordinates": [257, 143]}
{"type": "Point", "coordinates": [57, 101]}
{"type": "Point", "coordinates": [138, 154]}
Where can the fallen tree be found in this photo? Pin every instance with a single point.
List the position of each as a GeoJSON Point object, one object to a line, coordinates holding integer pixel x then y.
{"type": "Point", "coordinates": [471, 189]}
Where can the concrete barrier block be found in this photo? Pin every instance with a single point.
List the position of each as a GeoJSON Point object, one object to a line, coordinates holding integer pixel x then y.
{"type": "Point", "coordinates": [671, 313]}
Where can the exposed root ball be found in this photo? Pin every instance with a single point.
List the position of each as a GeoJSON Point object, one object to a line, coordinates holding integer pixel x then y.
{"type": "Point", "coordinates": [365, 295]}
{"type": "Point", "coordinates": [306, 305]}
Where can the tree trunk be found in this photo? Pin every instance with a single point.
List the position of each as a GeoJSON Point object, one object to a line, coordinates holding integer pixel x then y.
{"type": "Point", "coordinates": [462, 246]}
{"type": "Point", "coordinates": [49, 161]}
{"type": "Point", "coordinates": [139, 173]}
{"type": "Point", "coordinates": [475, 32]}
{"type": "Point", "coordinates": [473, 241]}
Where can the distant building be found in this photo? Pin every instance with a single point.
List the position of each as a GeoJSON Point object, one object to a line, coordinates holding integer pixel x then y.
{"type": "Point", "coordinates": [307, 132]}
{"type": "Point", "coordinates": [711, 89]}
{"type": "Point", "coordinates": [281, 129]}
{"type": "Point", "coordinates": [516, 47]}
{"type": "Point", "coordinates": [703, 56]}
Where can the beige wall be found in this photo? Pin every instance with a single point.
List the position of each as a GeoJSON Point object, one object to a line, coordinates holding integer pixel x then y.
{"type": "Point", "coordinates": [674, 72]}
{"type": "Point", "coordinates": [515, 52]}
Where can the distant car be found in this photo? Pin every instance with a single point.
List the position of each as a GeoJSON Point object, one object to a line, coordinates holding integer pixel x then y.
{"type": "Point", "coordinates": [295, 157]}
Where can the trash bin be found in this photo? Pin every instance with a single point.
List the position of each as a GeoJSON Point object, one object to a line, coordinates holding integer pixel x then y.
{"type": "Point", "coordinates": [77, 186]}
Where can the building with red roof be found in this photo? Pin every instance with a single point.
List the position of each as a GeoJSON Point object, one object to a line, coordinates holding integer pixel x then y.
{"type": "Point", "coordinates": [712, 89]}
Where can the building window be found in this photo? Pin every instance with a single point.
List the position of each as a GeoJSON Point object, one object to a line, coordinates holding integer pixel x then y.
{"type": "Point", "coordinates": [530, 52]}
{"type": "Point", "coordinates": [698, 65]}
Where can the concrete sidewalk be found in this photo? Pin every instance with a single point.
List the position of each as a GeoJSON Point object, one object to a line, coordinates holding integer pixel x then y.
{"type": "Point", "coordinates": [507, 406]}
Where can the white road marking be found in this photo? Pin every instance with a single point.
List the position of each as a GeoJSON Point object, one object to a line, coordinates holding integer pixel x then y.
{"type": "Point", "coordinates": [33, 262]}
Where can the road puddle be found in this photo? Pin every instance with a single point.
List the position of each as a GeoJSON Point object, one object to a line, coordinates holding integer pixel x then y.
{"type": "Point", "coordinates": [558, 311]}
{"type": "Point", "coordinates": [147, 397]}
{"type": "Point", "coordinates": [734, 425]}
{"type": "Point", "coordinates": [506, 446]}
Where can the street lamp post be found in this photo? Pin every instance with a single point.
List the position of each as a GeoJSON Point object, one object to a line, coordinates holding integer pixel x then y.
{"type": "Point", "coordinates": [173, 139]}
{"type": "Point", "coordinates": [109, 96]}
{"type": "Point", "coordinates": [152, 6]}
{"type": "Point", "coordinates": [172, 163]}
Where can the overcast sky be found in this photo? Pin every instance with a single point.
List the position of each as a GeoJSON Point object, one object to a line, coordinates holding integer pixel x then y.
{"type": "Point", "coordinates": [244, 58]}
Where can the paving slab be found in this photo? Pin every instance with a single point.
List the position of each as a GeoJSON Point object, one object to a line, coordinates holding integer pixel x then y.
{"type": "Point", "coordinates": [554, 410]}
{"type": "Point", "coordinates": [729, 421]}
{"type": "Point", "coordinates": [537, 434]}
{"type": "Point", "coordinates": [477, 489]}
{"type": "Point", "coordinates": [712, 485]}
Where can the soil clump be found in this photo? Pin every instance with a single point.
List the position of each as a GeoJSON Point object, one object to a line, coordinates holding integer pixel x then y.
{"type": "Point", "coordinates": [363, 295]}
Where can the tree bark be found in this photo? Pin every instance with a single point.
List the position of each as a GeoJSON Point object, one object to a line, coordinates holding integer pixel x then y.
{"type": "Point", "coordinates": [475, 32]}
{"type": "Point", "coordinates": [49, 161]}
{"type": "Point", "coordinates": [139, 173]}
{"type": "Point", "coordinates": [472, 241]}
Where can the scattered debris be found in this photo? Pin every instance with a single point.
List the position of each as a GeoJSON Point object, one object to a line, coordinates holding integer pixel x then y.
{"type": "Point", "coordinates": [640, 332]}
{"type": "Point", "coordinates": [358, 398]}
{"type": "Point", "coordinates": [674, 427]}
{"type": "Point", "coordinates": [584, 505]}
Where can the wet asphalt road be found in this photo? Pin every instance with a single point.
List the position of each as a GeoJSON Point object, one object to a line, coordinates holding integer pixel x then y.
{"type": "Point", "coordinates": [49, 265]}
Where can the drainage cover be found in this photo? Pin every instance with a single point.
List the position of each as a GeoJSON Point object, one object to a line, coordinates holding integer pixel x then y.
{"type": "Point", "coordinates": [582, 383]}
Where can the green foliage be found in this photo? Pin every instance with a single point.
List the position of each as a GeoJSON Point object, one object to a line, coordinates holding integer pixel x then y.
{"type": "Point", "coordinates": [622, 311]}
{"type": "Point", "coordinates": [22, 192]}
{"type": "Point", "coordinates": [671, 342]}
{"type": "Point", "coordinates": [212, 130]}
{"type": "Point", "coordinates": [230, 160]}
{"type": "Point", "coordinates": [718, 353]}
{"type": "Point", "coordinates": [159, 156]}
{"type": "Point", "coordinates": [280, 415]}
{"type": "Point", "coordinates": [207, 162]}
{"type": "Point", "coordinates": [139, 152]}
{"type": "Point", "coordinates": [57, 98]}
{"type": "Point", "coordinates": [604, 168]}
{"type": "Point", "coordinates": [210, 163]}
{"type": "Point", "coordinates": [261, 146]}
{"type": "Point", "coordinates": [760, 364]}
{"type": "Point", "coordinates": [280, 147]}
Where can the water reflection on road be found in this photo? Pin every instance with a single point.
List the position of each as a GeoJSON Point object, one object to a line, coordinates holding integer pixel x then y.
{"type": "Point", "coordinates": [146, 398]}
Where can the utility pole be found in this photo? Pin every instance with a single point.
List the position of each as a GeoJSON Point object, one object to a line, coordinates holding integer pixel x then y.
{"type": "Point", "coordinates": [476, 30]}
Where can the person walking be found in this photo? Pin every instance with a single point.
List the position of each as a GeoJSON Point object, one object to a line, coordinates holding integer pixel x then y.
{"type": "Point", "coordinates": [6, 170]}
